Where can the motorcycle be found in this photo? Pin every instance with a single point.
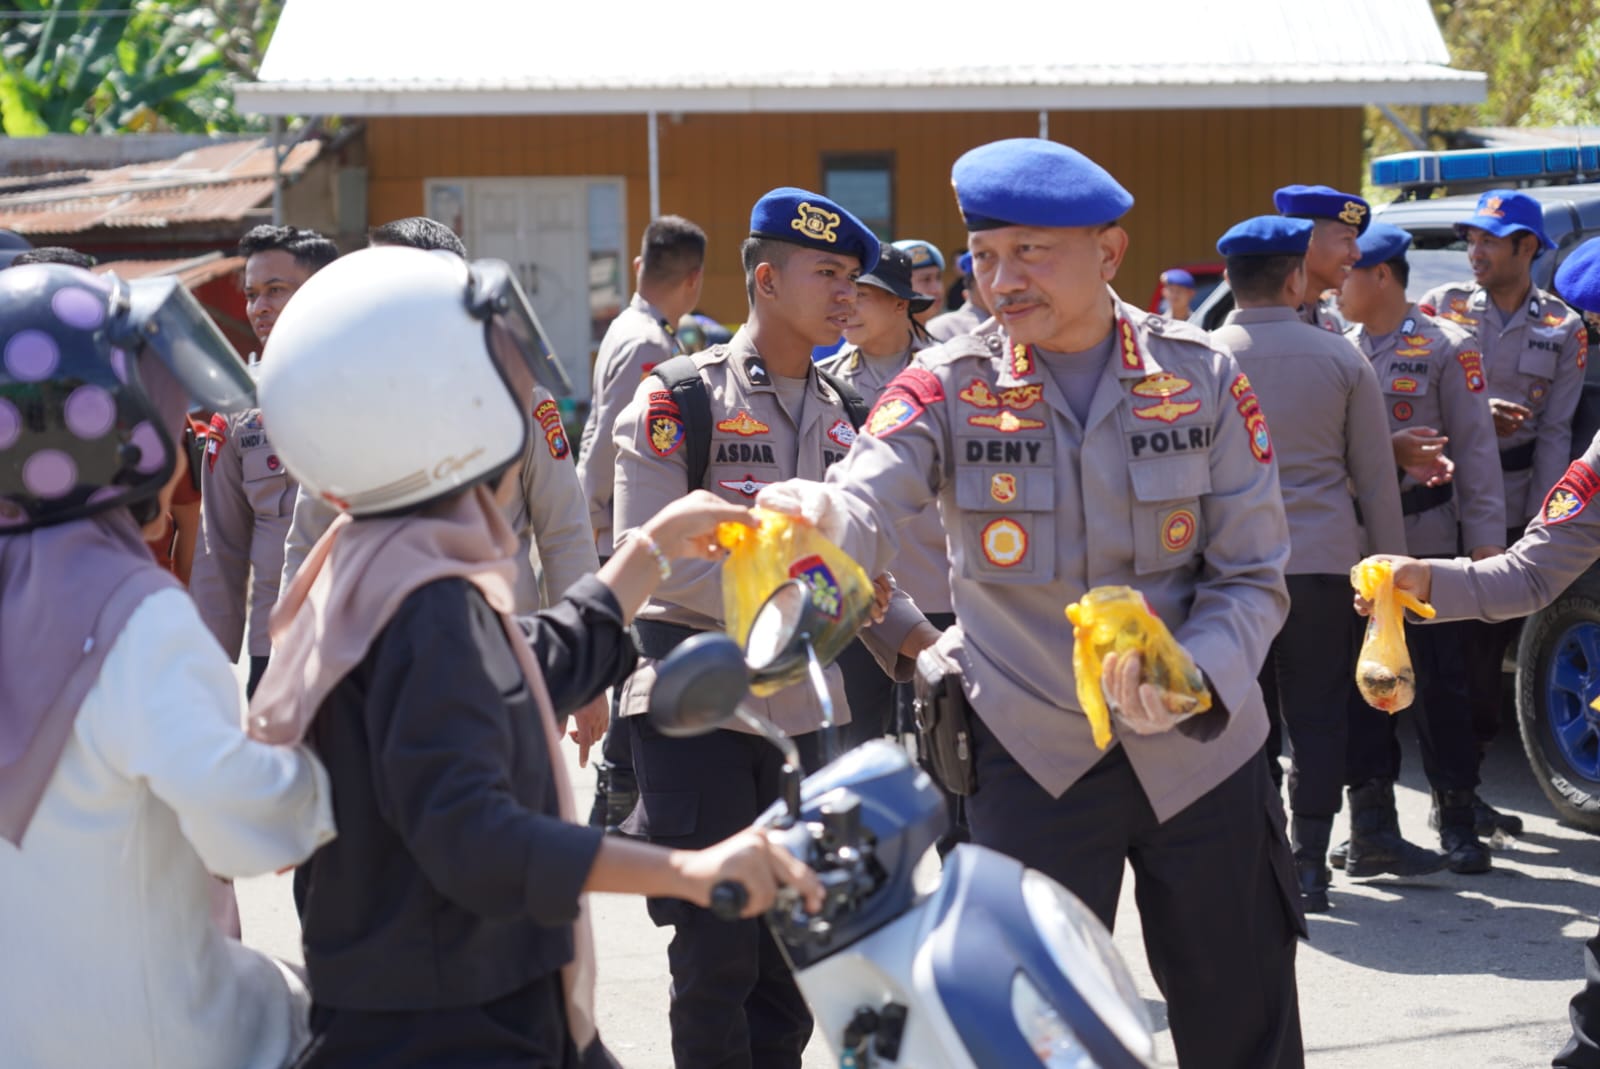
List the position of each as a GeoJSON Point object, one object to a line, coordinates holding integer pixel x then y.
{"type": "Point", "coordinates": [975, 964]}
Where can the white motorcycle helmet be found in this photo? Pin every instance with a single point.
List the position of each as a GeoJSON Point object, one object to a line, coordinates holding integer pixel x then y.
{"type": "Point", "coordinates": [396, 377]}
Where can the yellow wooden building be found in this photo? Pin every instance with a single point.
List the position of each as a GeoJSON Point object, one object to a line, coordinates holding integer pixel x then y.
{"type": "Point", "coordinates": [548, 138]}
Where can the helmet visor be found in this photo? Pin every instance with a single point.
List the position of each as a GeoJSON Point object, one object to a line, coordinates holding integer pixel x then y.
{"type": "Point", "coordinates": [161, 314]}
{"type": "Point", "coordinates": [494, 297]}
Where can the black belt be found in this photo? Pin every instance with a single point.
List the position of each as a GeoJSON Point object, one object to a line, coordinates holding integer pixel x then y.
{"type": "Point", "coordinates": [1422, 498]}
{"type": "Point", "coordinates": [656, 639]}
{"type": "Point", "coordinates": [1518, 457]}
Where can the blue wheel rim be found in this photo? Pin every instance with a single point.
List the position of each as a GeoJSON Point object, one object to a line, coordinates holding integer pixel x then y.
{"type": "Point", "coordinates": [1572, 681]}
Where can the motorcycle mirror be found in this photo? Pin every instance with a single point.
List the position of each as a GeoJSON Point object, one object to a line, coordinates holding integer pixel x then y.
{"type": "Point", "coordinates": [781, 633]}
{"type": "Point", "coordinates": [698, 686]}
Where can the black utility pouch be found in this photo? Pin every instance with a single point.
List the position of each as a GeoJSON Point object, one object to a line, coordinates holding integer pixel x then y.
{"type": "Point", "coordinates": [944, 727]}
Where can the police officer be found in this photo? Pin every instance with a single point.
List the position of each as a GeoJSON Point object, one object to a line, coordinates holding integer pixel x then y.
{"type": "Point", "coordinates": [1432, 375]}
{"type": "Point", "coordinates": [734, 1001]}
{"type": "Point", "coordinates": [247, 497]}
{"type": "Point", "coordinates": [1332, 434]}
{"type": "Point", "coordinates": [973, 312]}
{"type": "Point", "coordinates": [1101, 446]}
{"type": "Point", "coordinates": [1561, 543]}
{"type": "Point", "coordinates": [1339, 218]}
{"type": "Point", "coordinates": [669, 273]}
{"type": "Point", "coordinates": [1534, 351]}
{"type": "Point", "coordinates": [1177, 293]}
{"type": "Point", "coordinates": [927, 274]}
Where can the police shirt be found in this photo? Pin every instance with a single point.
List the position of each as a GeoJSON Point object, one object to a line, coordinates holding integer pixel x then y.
{"type": "Point", "coordinates": [963, 320]}
{"type": "Point", "coordinates": [1535, 358]}
{"type": "Point", "coordinates": [1169, 486]}
{"type": "Point", "coordinates": [1330, 434]}
{"type": "Point", "coordinates": [1431, 375]}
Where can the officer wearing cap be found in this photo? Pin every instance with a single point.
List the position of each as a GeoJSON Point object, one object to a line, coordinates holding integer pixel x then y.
{"type": "Point", "coordinates": [1432, 375]}
{"type": "Point", "coordinates": [972, 314]}
{"type": "Point", "coordinates": [1339, 218]}
{"type": "Point", "coordinates": [1332, 438]}
{"type": "Point", "coordinates": [927, 273]}
{"type": "Point", "coordinates": [1096, 445]}
{"type": "Point", "coordinates": [1177, 293]}
{"type": "Point", "coordinates": [1534, 352]}
{"type": "Point", "coordinates": [773, 417]}
{"type": "Point", "coordinates": [1561, 543]}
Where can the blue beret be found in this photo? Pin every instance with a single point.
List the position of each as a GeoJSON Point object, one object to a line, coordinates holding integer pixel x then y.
{"type": "Point", "coordinates": [1177, 276]}
{"type": "Point", "coordinates": [1380, 244]}
{"type": "Point", "coordinates": [1323, 202]}
{"type": "Point", "coordinates": [1503, 212]}
{"type": "Point", "coordinates": [964, 264]}
{"type": "Point", "coordinates": [1027, 181]}
{"type": "Point", "coordinates": [812, 220]}
{"type": "Point", "coordinates": [922, 253]}
{"type": "Point", "coordinates": [1578, 277]}
{"type": "Point", "coordinates": [1266, 235]}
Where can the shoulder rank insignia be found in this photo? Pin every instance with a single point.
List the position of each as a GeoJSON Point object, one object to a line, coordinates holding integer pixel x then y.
{"type": "Point", "coordinates": [980, 395]}
{"type": "Point", "coordinates": [1130, 347]}
{"type": "Point", "coordinates": [1021, 361]}
{"type": "Point", "coordinates": [1168, 411]}
{"type": "Point", "coordinates": [815, 223]}
{"type": "Point", "coordinates": [1006, 422]}
{"type": "Point", "coordinates": [744, 424]}
{"type": "Point", "coordinates": [1472, 365]}
{"type": "Point", "coordinates": [1161, 384]}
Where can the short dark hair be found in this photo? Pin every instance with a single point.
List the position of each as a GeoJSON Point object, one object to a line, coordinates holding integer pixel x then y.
{"type": "Point", "coordinates": [757, 251]}
{"type": "Point", "coordinates": [418, 232]}
{"type": "Point", "coordinates": [1516, 242]}
{"type": "Point", "coordinates": [1260, 278]}
{"type": "Point", "coordinates": [1400, 268]}
{"type": "Point", "coordinates": [310, 249]}
{"type": "Point", "coordinates": [672, 249]}
{"type": "Point", "coordinates": [55, 254]}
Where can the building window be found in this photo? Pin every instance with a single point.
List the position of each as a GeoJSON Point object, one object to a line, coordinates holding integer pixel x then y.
{"type": "Point", "coordinates": [865, 185]}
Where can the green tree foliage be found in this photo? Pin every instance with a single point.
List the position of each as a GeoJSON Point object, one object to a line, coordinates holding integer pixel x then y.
{"type": "Point", "coordinates": [113, 66]}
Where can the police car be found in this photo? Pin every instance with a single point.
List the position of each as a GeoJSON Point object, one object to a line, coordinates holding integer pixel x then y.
{"type": "Point", "coordinates": [1557, 667]}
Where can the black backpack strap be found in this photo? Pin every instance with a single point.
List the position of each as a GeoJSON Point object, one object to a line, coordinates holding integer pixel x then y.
{"type": "Point", "coordinates": [682, 380]}
{"type": "Point", "coordinates": [855, 406]}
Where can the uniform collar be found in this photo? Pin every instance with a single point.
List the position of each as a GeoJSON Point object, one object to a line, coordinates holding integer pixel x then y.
{"type": "Point", "coordinates": [753, 374]}
{"type": "Point", "coordinates": [1276, 314]}
{"type": "Point", "coordinates": [1130, 355]}
{"type": "Point", "coordinates": [638, 303]}
{"type": "Point", "coordinates": [1413, 323]}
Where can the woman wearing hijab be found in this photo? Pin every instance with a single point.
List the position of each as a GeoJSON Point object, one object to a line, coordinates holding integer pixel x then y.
{"type": "Point", "coordinates": [124, 775]}
{"type": "Point", "coordinates": [445, 926]}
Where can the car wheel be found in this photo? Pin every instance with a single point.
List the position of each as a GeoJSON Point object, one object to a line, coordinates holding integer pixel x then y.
{"type": "Point", "coordinates": [1558, 677]}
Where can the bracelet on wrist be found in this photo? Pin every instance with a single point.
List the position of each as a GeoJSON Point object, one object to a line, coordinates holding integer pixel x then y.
{"type": "Point", "coordinates": [662, 563]}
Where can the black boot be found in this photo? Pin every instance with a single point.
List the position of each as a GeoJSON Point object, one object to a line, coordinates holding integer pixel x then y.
{"type": "Point", "coordinates": [1310, 840]}
{"type": "Point", "coordinates": [616, 792]}
{"type": "Point", "coordinates": [1376, 846]}
{"type": "Point", "coordinates": [1466, 852]}
{"type": "Point", "coordinates": [1486, 819]}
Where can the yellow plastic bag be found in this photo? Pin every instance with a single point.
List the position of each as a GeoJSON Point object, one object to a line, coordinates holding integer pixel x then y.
{"type": "Point", "coordinates": [782, 548]}
{"type": "Point", "coordinates": [1117, 619]}
{"type": "Point", "coordinates": [1383, 671]}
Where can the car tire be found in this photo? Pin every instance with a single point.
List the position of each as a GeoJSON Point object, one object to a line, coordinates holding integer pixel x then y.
{"type": "Point", "coordinates": [1558, 675]}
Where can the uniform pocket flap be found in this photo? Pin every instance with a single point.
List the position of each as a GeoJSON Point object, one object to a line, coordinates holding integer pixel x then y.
{"type": "Point", "coordinates": [1171, 478]}
{"type": "Point", "coordinates": [1538, 363]}
{"type": "Point", "coordinates": [1018, 489]}
{"type": "Point", "coordinates": [261, 464]}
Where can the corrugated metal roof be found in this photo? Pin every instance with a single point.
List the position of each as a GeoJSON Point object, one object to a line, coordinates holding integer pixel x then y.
{"type": "Point", "coordinates": [217, 183]}
{"type": "Point", "coordinates": [369, 58]}
{"type": "Point", "coordinates": [192, 271]}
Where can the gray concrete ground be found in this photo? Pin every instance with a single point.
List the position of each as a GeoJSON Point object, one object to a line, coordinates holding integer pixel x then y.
{"type": "Point", "coordinates": [1437, 973]}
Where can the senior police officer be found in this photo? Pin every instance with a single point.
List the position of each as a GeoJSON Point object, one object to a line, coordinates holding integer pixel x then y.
{"type": "Point", "coordinates": [974, 310]}
{"type": "Point", "coordinates": [1534, 351]}
{"type": "Point", "coordinates": [1102, 445]}
{"type": "Point", "coordinates": [772, 417]}
{"type": "Point", "coordinates": [247, 496]}
{"type": "Point", "coordinates": [1339, 218]}
{"type": "Point", "coordinates": [1561, 543]}
{"type": "Point", "coordinates": [1431, 374]}
{"type": "Point", "coordinates": [1332, 436]}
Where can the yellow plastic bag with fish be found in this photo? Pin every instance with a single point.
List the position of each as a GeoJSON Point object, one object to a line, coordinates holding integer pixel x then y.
{"type": "Point", "coordinates": [787, 547]}
{"type": "Point", "coordinates": [1117, 619]}
{"type": "Point", "coordinates": [1383, 671]}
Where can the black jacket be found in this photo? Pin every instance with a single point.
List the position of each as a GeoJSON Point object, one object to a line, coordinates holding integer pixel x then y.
{"type": "Point", "coordinates": [453, 880]}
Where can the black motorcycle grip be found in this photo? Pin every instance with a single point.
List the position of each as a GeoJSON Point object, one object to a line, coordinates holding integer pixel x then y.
{"type": "Point", "coordinates": [728, 900]}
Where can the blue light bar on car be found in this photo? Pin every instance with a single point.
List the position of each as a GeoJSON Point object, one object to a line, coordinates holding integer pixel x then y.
{"type": "Point", "coordinates": [1486, 165]}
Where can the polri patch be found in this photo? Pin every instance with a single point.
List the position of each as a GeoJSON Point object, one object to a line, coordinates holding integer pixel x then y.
{"type": "Point", "coordinates": [842, 433]}
{"type": "Point", "coordinates": [1471, 362]}
{"type": "Point", "coordinates": [216, 434]}
{"type": "Point", "coordinates": [1255, 422]}
{"type": "Point", "coordinates": [906, 397]}
{"type": "Point", "coordinates": [1571, 494]}
{"type": "Point", "coordinates": [555, 435]}
{"type": "Point", "coordinates": [1005, 543]}
{"type": "Point", "coordinates": [1177, 530]}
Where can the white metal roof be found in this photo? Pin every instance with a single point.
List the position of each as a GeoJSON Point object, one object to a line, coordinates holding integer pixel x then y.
{"type": "Point", "coordinates": [377, 57]}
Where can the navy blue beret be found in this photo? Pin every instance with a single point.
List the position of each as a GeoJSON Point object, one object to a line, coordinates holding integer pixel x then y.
{"type": "Point", "coordinates": [812, 220]}
{"type": "Point", "coordinates": [1503, 212]}
{"type": "Point", "coordinates": [1177, 276]}
{"type": "Point", "coordinates": [1027, 181]}
{"type": "Point", "coordinates": [1578, 277]}
{"type": "Point", "coordinates": [1380, 244]}
{"type": "Point", "coordinates": [1266, 235]}
{"type": "Point", "coordinates": [964, 263]}
{"type": "Point", "coordinates": [1323, 202]}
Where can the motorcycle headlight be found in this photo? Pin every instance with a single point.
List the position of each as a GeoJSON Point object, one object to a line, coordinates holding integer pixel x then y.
{"type": "Point", "coordinates": [1050, 1037]}
{"type": "Point", "coordinates": [1082, 949]}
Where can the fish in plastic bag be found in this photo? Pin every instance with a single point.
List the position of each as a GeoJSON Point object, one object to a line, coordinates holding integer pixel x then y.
{"type": "Point", "coordinates": [1117, 619]}
{"type": "Point", "coordinates": [1383, 670]}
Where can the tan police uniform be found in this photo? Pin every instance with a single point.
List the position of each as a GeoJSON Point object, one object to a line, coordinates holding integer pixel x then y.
{"type": "Point", "coordinates": [637, 340]}
{"type": "Point", "coordinates": [755, 442]}
{"type": "Point", "coordinates": [963, 320]}
{"type": "Point", "coordinates": [1535, 357]}
{"type": "Point", "coordinates": [247, 498]}
{"type": "Point", "coordinates": [1322, 313]}
{"type": "Point", "coordinates": [548, 513]}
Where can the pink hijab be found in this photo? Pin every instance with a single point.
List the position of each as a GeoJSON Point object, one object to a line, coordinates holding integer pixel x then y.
{"type": "Point", "coordinates": [350, 586]}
